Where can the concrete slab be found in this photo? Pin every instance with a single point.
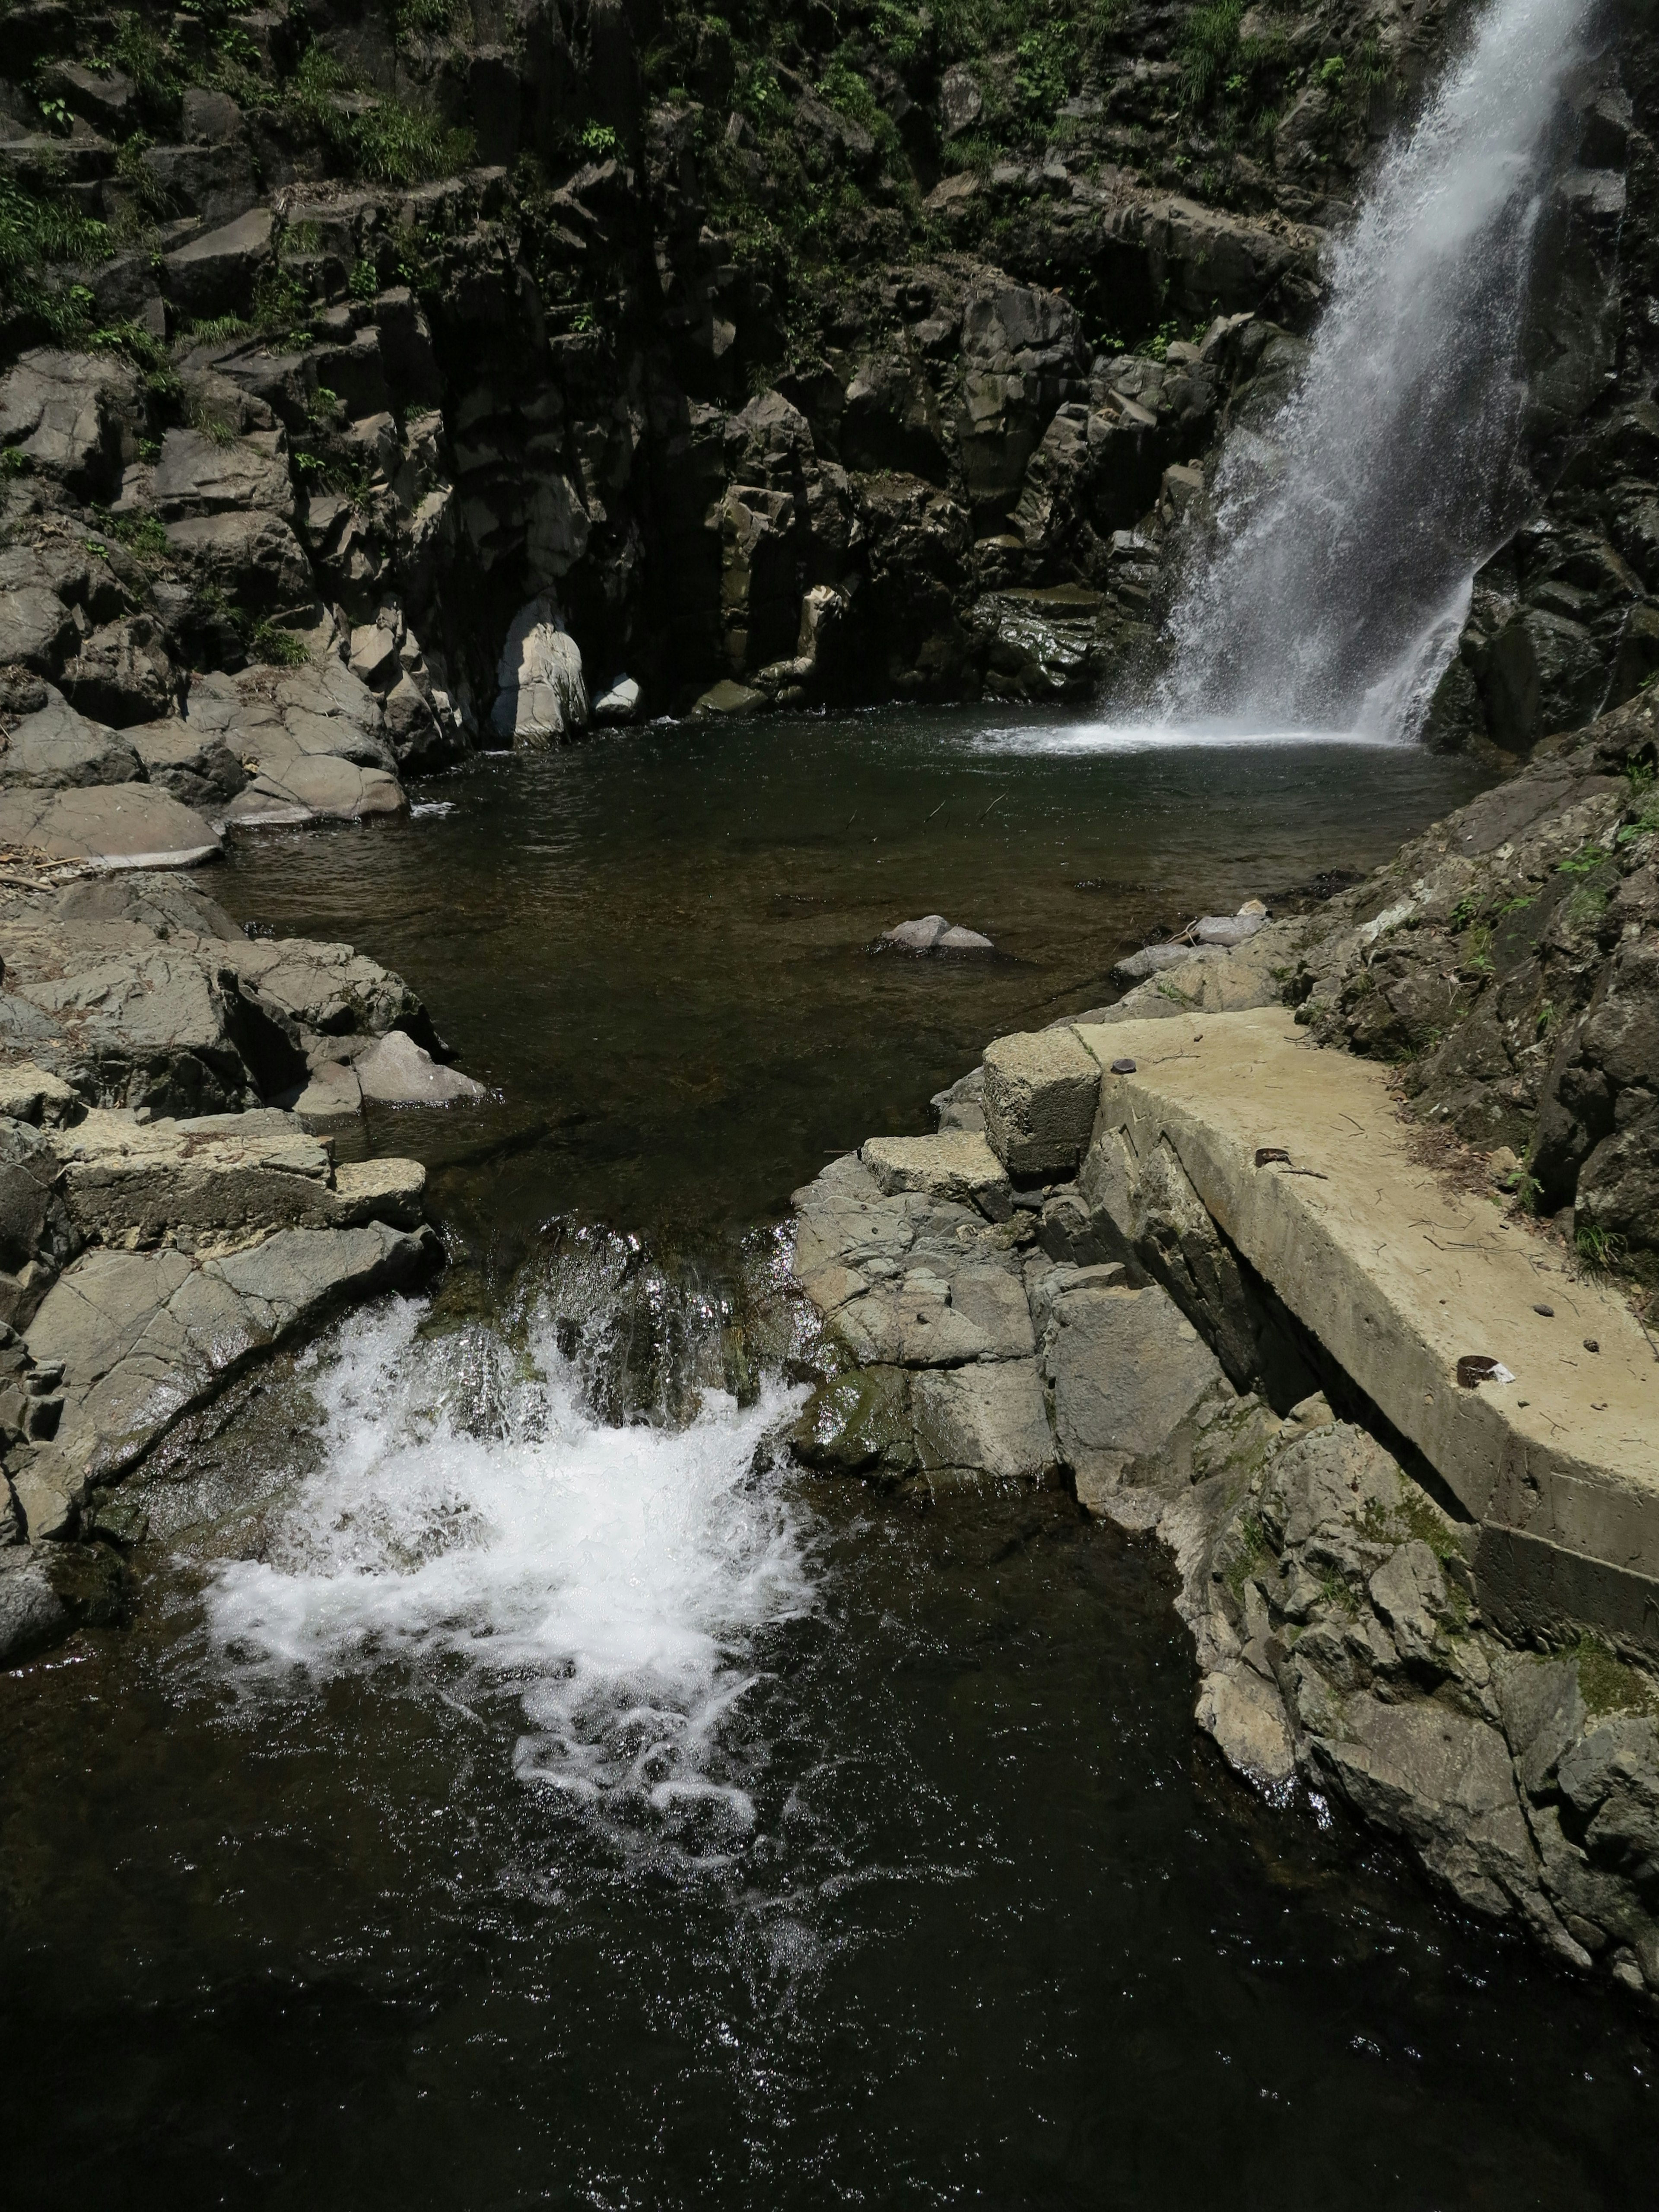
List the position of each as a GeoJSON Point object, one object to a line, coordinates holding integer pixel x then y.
{"type": "Point", "coordinates": [1399, 1277]}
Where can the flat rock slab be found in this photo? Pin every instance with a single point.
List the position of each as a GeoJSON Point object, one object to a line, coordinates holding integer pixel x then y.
{"type": "Point", "coordinates": [219, 1177]}
{"type": "Point", "coordinates": [1399, 1277]}
{"type": "Point", "coordinates": [114, 825]}
{"type": "Point", "coordinates": [144, 1337]}
{"type": "Point", "coordinates": [956, 1163]}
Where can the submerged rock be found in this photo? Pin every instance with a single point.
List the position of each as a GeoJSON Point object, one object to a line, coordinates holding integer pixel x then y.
{"type": "Point", "coordinates": [932, 933]}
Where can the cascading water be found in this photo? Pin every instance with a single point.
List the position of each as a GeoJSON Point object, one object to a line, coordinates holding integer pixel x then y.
{"type": "Point", "coordinates": [1348, 528]}
{"type": "Point", "coordinates": [476, 1526]}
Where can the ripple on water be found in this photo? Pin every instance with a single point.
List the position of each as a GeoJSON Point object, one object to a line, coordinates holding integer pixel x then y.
{"type": "Point", "coordinates": [471, 1522]}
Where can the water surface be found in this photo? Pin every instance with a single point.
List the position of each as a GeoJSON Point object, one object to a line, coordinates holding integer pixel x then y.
{"type": "Point", "coordinates": [519, 1785]}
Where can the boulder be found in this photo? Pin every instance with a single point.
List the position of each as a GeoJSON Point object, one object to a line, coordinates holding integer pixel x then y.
{"type": "Point", "coordinates": [215, 274]}
{"type": "Point", "coordinates": [1127, 1370]}
{"type": "Point", "coordinates": [250, 557]}
{"type": "Point", "coordinates": [63, 413]}
{"type": "Point", "coordinates": [621, 703]}
{"type": "Point", "coordinates": [961, 103]}
{"type": "Point", "coordinates": [332, 1099]}
{"type": "Point", "coordinates": [311, 739]}
{"type": "Point", "coordinates": [399, 1072]}
{"type": "Point", "coordinates": [543, 697]}
{"type": "Point", "coordinates": [1041, 1091]}
{"type": "Point", "coordinates": [201, 475]}
{"type": "Point", "coordinates": [194, 765]}
{"type": "Point", "coordinates": [920, 936]}
{"type": "Point", "coordinates": [725, 699]}
{"type": "Point", "coordinates": [55, 747]}
{"type": "Point", "coordinates": [123, 673]}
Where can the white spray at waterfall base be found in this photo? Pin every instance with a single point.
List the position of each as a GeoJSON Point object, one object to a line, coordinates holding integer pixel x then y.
{"type": "Point", "coordinates": [1347, 527]}
{"type": "Point", "coordinates": [472, 1523]}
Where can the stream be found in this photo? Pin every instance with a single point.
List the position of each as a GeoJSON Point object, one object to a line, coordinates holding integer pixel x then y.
{"type": "Point", "coordinates": [520, 1785]}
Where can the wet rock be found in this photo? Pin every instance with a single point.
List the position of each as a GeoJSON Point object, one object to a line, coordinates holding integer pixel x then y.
{"type": "Point", "coordinates": [727, 698]}
{"type": "Point", "coordinates": [144, 1337]}
{"type": "Point", "coordinates": [1229, 929]}
{"type": "Point", "coordinates": [859, 1424]}
{"type": "Point", "coordinates": [399, 1072]}
{"type": "Point", "coordinates": [983, 1420]}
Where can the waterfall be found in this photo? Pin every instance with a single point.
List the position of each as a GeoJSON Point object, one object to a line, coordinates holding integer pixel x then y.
{"type": "Point", "coordinates": [1348, 529]}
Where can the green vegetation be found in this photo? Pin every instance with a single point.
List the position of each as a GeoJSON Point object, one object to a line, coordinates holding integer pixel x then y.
{"type": "Point", "coordinates": [1600, 1250]}
{"type": "Point", "coordinates": [144, 536]}
{"type": "Point", "coordinates": [35, 236]}
{"type": "Point", "coordinates": [279, 647]}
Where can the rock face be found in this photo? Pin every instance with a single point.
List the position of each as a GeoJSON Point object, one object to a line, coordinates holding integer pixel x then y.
{"type": "Point", "coordinates": [942, 437]}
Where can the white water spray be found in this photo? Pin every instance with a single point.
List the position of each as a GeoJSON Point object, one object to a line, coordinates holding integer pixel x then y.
{"type": "Point", "coordinates": [1347, 535]}
{"type": "Point", "coordinates": [473, 1526]}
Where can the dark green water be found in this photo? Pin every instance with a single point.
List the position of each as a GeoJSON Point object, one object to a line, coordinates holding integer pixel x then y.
{"type": "Point", "coordinates": [518, 1786]}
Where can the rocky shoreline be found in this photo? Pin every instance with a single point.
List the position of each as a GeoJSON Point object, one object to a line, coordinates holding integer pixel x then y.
{"type": "Point", "coordinates": [1432, 1594]}
{"type": "Point", "coordinates": [170, 1104]}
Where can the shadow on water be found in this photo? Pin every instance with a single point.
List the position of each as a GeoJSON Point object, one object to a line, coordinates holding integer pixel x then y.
{"type": "Point", "coordinates": [519, 1785]}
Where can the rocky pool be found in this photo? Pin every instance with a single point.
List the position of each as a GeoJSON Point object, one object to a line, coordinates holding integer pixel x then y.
{"type": "Point", "coordinates": [519, 1785]}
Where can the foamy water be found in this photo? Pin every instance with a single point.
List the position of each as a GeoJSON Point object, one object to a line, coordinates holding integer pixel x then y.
{"type": "Point", "coordinates": [473, 1525]}
{"type": "Point", "coordinates": [1150, 737]}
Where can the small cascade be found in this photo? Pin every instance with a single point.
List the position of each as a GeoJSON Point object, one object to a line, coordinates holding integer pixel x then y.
{"type": "Point", "coordinates": [1347, 531]}
{"type": "Point", "coordinates": [566, 1511]}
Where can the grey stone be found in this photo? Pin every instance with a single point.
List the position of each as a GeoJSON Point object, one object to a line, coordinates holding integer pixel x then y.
{"type": "Point", "coordinates": [959, 939]}
{"type": "Point", "coordinates": [1409, 1591]}
{"type": "Point", "coordinates": [621, 703]}
{"type": "Point", "coordinates": [1127, 1370]}
{"type": "Point", "coordinates": [543, 697]}
{"type": "Point", "coordinates": [144, 1337]}
{"type": "Point", "coordinates": [398, 1072]}
{"type": "Point", "coordinates": [955, 1164]}
{"type": "Point", "coordinates": [1445, 1783]}
{"type": "Point", "coordinates": [118, 825]}
{"type": "Point", "coordinates": [57, 748]}
{"type": "Point", "coordinates": [989, 1419]}
{"type": "Point", "coordinates": [62, 412]}
{"type": "Point", "coordinates": [201, 475]}
{"type": "Point", "coordinates": [919, 935]}
{"type": "Point", "coordinates": [215, 275]}
{"type": "Point", "coordinates": [727, 698]}
{"type": "Point", "coordinates": [1543, 1715]}
{"type": "Point", "coordinates": [194, 765]}
{"type": "Point", "coordinates": [1041, 1091]}
{"type": "Point", "coordinates": [251, 556]}
{"type": "Point", "coordinates": [1153, 960]}
{"type": "Point", "coordinates": [858, 1423]}
{"type": "Point", "coordinates": [1228, 929]}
